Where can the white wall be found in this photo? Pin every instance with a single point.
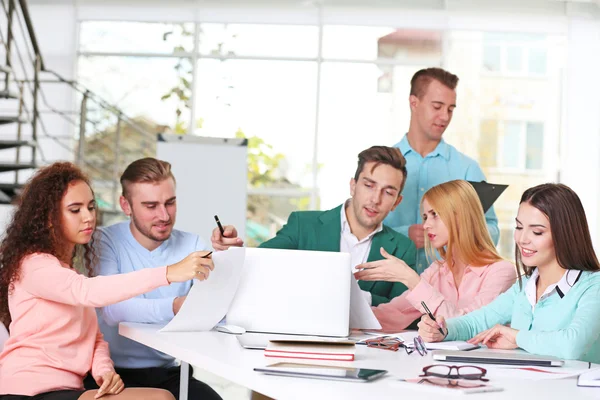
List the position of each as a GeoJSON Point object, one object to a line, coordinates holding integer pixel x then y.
{"type": "Point", "coordinates": [580, 157]}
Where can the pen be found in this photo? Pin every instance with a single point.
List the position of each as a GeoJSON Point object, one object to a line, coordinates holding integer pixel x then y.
{"type": "Point", "coordinates": [220, 226]}
{"type": "Point", "coordinates": [431, 316]}
{"type": "Point", "coordinates": [207, 254]}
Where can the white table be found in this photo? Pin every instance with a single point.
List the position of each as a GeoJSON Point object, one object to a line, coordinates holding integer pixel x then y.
{"type": "Point", "coordinates": [222, 355]}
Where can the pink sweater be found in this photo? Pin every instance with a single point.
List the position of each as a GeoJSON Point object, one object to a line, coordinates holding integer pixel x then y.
{"type": "Point", "coordinates": [479, 286]}
{"type": "Point", "coordinates": [54, 335]}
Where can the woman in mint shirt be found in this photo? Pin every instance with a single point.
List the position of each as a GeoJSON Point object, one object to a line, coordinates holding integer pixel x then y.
{"type": "Point", "coordinates": [555, 309]}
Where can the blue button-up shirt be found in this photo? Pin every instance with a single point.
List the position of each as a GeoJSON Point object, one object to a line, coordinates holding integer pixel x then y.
{"type": "Point", "coordinates": [443, 164]}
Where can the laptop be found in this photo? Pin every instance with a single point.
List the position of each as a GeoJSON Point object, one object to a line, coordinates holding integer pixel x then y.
{"type": "Point", "coordinates": [497, 357]}
{"type": "Point", "coordinates": [293, 292]}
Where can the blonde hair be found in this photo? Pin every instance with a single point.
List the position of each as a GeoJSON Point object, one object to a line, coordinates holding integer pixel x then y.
{"type": "Point", "coordinates": [458, 205]}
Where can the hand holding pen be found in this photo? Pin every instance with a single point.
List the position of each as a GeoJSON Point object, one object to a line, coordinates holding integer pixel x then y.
{"type": "Point", "coordinates": [430, 329]}
{"type": "Point", "coordinates": [223, 237]}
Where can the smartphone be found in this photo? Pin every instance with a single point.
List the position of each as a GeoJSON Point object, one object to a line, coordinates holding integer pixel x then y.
{"type": "Point", "coordinates": [322, 372]}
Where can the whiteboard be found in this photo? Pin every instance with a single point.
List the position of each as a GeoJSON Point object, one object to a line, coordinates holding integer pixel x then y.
{"type": "Point", "coordinates": [211, 176]}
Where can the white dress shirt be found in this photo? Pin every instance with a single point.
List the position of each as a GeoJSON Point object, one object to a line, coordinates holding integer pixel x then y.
{"type": "Point", "coordinates": [358, 249]}
{"type": "Point", "coordinates": [561, 287]}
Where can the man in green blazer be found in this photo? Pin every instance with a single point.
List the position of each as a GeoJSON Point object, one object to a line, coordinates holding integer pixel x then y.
{"type": "Point", "coordinates": [356, 226]}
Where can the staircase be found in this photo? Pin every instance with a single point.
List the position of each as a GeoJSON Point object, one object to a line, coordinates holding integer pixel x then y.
{"type": "Point", "coordinates": [102, 140]}
{"type": "Point", "coordinates": [9, 191]}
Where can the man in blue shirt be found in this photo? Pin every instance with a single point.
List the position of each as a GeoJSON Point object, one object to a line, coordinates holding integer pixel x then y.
{"type": "Point", "coordinates": [148, 240]}
{"type": "Point", "coordinates": [429, 159]}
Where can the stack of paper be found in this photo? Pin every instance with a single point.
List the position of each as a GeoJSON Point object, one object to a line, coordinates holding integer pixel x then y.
{"type": "Point", "coordinates": [311, 350]}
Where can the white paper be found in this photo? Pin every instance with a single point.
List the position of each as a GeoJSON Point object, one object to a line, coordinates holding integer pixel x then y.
{"type": "Point", "coordinates": [361, 314]}
{"type": "Point", "coordinates": [531, 373]}
{"type": "Point", "coordinates": [409, 336]}
{"type": "Point", "coordinates": [590, 377]}
{"type": "Point", "coordinates": [208, 301]}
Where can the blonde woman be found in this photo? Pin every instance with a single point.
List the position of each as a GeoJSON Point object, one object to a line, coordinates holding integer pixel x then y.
{"type": "Point", "coordinates": [470, 273]}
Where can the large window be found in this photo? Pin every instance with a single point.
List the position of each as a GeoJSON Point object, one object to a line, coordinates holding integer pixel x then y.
{"type": "Point", "coordinates": [515, 54]}
{"type": "Point", "coordinates": [515, 146]}
{"type": "Point", "coordinates": [308, 106]}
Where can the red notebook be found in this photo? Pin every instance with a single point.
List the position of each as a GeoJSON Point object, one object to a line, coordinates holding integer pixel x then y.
{"type": "Point", "coordinates": [338, 350]}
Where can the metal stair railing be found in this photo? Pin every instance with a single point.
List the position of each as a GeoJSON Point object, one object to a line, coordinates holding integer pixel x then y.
{"type": "Point", "coordinates": [27, 78]}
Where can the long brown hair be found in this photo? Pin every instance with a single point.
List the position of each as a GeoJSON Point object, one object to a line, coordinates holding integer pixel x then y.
{"type": "Point", "coordinates": [458, 205]}
{"type": "Point", "coordinates": [568, 225]}
{"type": "Point", "coordinates": [36, 227]}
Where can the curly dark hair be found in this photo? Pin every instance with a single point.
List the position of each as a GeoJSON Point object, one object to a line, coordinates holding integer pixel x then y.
{"type": "Point", "coordinates": [36, 227]}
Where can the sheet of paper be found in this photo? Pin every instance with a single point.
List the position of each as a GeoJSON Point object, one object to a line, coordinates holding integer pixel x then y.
{"type": "Point", "coordinates": [531, 373]}
{"type": "Point", "coordinates": [361, 315]}
{"type": "Point", "coordinates": [409, 336]}
{"type": "Point", "coordinates": [590, 377]}
{"type": "Point", "coordinates": [208, 301]}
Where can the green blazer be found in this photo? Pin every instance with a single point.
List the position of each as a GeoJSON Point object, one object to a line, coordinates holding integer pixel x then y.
{"type": "Point", "coordinates": [321, 231]}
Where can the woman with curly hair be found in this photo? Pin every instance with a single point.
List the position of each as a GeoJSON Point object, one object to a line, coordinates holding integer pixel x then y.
{"type": "Point", "coordinates": [54, 337]}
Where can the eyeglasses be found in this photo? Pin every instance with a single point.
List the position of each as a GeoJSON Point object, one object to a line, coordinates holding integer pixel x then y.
{"type": "Point", "coordinates": [469, 372]}
{"type": "Point", "coordinates": [393, 344]}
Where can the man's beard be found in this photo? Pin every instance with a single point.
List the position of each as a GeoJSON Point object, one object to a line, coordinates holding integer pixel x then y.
{"type": "Point", "coordinates": [148, 232]}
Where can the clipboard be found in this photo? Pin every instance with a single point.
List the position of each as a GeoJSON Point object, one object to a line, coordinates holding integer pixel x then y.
{"type": "Point", "coordinates": [488, 193]}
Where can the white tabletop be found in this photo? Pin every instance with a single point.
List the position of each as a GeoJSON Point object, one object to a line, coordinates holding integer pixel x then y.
{"type": "Point", "coordinates": [222, 355]}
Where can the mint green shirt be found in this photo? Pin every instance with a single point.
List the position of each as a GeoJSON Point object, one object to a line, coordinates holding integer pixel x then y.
{"type": "Point", "coordinates": [567, 327]}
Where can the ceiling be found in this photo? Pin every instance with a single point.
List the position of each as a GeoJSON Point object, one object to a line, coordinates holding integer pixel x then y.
{"type": "Point", "coordinates": [510, 6]}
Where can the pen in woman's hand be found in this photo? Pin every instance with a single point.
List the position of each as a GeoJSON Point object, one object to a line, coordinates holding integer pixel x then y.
{"type": "Point", "coordinates": [432, 317]}
{"type": "Point", "coordinates": [207, 255]}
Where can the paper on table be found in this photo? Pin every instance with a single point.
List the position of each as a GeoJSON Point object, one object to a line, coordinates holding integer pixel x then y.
{"type": "Point", "coordinates": [532, 373]}
{"type": "Point", "coordinates": [361, 314]}
{"type": "Point", "coordinates": [208, 301]}
{"type": "Point", "coordinates": [590, 377]}
{"type": "Point", "coordinates": [408, 338]}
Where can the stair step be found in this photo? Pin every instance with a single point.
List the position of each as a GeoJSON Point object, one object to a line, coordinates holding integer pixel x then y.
{"type": "Point", "coordinates": [8, 191]}
{"type": "Point", "coordinates": [6, 167]}
{"type": "Point", "coordinates": [11, 186]}
{"type": "Point", "coordinates": [7, 94]}
{"type": "Point", "coordinates": [11, 144]}
{"type": "Point", "coordinates": [12, 119]}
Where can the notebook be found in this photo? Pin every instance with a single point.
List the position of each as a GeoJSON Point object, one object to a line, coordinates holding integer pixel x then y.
{"type": "Point", "coordinates": [260, 341]}
{"type": "Point", "coordinates": [453, 345]}
{"type": "Point", "coordinates": [311, 350]}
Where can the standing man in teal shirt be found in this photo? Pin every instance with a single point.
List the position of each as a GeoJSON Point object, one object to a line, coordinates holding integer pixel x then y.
{"type": "Point", "coordinates": [429, 159]}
